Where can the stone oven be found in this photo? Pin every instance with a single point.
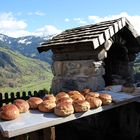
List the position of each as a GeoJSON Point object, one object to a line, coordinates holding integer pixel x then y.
{"type": "Point", "coordinates": [93, 56]}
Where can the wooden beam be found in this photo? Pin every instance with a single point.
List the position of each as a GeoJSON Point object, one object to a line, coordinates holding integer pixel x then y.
{"type": "Point", "coordinates": [116, 28]}
{"type": "Point", "coordinates": [107, 44]}
{"type": "Point", "coordinates": [111, 31]}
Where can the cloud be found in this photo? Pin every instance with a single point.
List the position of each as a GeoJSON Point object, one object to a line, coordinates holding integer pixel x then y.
{"type": "Point", "coordinates": [134, 20]}
{"type": "Point", "coordinates": [37, 13]}
{"type": "Point", "coordinates": [47, 30]}
{"type": "Point", "coordinates": [17, 33]}
{"type": "Point", "coordinates": [13, 27]}
{"type": "Point", "coordinates": [10, 26]}
{"type": "Point", "coordinates": [66, 19]}
{"type": "Point", "coordinates": [8, 22]}
{"type": "Point", "coordinates": [81, 21]}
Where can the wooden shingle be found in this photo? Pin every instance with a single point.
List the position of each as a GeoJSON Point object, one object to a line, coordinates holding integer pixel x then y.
{"type": "Point", "coordinates": [97, 34]}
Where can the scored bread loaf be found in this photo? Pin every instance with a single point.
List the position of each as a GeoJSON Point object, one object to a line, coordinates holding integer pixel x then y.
{"type": "Point", "coordinates": [9, 112]}
{"type": "Point", "coordinates": [22, 105]}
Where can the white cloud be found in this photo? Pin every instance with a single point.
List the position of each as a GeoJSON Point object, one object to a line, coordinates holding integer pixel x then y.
{"type": "Point", "coordinates": [8, 22]}
{"type": "Point", "coordinates": [39, 13]}
{"type": "Point", "coordinates": [81, 21]}
{"type": "Point", "coordinates": [134, 20]}
{"type": "Point", "coordinates": [47, 30]}
{"type": "Point", "coordinates": [13, 27]}
{"type": "Point", "coordinates": [17, 33]}
{"type": "Point", "coordinates": [66, 19]}
{"type": "Point", "coordinates": [10, 26]}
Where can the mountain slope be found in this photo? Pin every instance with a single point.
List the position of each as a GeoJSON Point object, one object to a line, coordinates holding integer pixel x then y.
{"type": "Point", "coordinates": [27, 46]}
{"type": "Point", "coordinates": [18, 71]}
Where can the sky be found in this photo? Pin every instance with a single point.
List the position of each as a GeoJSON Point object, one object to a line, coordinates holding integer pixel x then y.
{"type": "Point", "coordinates": [47, 17]}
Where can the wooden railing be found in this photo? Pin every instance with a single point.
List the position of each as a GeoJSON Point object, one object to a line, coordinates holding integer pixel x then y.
{"type": "Point", "coordinates": [6, 98]}
{"type": "Point", "coordinates": [43, 134]}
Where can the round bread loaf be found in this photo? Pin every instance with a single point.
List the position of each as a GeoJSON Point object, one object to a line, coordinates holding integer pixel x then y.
{"type": "Point", "coordinates": [50, 97]}
{"type": "Point", "coordinates": [61, 95]}
{"type": "Point", "coordinates": [94, 102]}
{"type": "Point", "coordinates": [64, 109]}
{"type": "Point", "coordinates": [81, 106]}
{"type": "Point", "coordinates": [9, 112]}
{"type": "Point", "coordinates": [106, 98]}
{"type": "Point", "coordinates": [64, 99]}
{"type": "Point", "coordinates": [73, 92]}
{"type": "Point", "coordinates": [47, 106]}
{"type": "Point", "coordinates": [34, 102]}
{"type": "Point", "coordinates": [85, 91]}
{"type": "Point", "coordinates": [22, 105]}
{"type": "Point", "coordinates": [92, 94]}
{"type": "Point", "coordinates": [77, 97]}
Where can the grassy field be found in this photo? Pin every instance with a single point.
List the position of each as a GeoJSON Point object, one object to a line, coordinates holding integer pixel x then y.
{"type": "Point", "coordinates": [20, 73]}
{"type": "Point", "coordinates": [45, 84]}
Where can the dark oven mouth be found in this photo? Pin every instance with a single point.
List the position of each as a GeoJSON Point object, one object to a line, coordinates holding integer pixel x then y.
{"type": "Point", "coordinates": [119, 67]}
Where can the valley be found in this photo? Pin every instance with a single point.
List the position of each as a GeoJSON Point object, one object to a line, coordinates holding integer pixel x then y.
{"type": "Point", "coordinates": [20, 73]}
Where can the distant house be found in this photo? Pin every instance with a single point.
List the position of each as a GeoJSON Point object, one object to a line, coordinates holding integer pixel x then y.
{"type": "Point", "coordinates": [93, 56]}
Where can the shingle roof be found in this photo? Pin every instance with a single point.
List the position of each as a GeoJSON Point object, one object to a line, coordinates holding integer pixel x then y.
{"type": "Point", "coordinates": [95, 33]}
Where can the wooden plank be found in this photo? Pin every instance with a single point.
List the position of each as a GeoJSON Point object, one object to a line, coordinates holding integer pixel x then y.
{"type": "Point", "coordinates": [107, 45]}
{"type": "Point", "coordinates": [47, 134]}
{"type": "Point", "coordinates": [3, 138]}
{"type": "Point", "coordinates": [123, 21]}
{"type": "Point", "coordinates": [120, 24]}
{"type": "Point", "coordinates": [83, 33]}
{"type": "Point", "coordinates": [111, 31]}
{"type": "Point", "coordinates": [106, 34]}
{"type": "Point", "coordinates": [95, 43]}
{"type": "Point", "coordinates": [76, 38]}
{"type": "Point", "coordinates": [101, 39]}
{"type": "Point", "coordinates": [116, 28]}
{"type": "Point", "coordinates": [83, 30]}
{"type": "Point", "coordinates": [34, 135]}
{"type": "Point", "coordinates": [52, 133]}
{"type": "Point", "coordinates": [21, 137]}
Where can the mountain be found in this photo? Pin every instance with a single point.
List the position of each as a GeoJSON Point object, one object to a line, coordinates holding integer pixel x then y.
{"type": "Point", "coordinates": [21, 72]}
{"type": "Point", "coordinates": [27, 46]}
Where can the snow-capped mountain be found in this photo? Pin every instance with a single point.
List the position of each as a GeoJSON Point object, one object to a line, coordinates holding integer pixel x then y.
{"type": "Point", "coordinates": [27, 46]}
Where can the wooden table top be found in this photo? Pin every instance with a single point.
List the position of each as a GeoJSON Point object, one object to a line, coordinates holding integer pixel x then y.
{"type": "Point", "coordinates": [35, 120]}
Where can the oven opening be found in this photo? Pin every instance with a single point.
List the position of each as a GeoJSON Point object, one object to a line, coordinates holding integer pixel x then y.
{"type": "Point", "coordinates": [118, 67]}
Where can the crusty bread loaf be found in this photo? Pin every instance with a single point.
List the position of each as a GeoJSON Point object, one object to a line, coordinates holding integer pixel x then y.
{"type": "Point", "coordinates": [94, 102]}
{"type": "Point", "coordinates": [50, 97]}
{"type": "Point", "coordinates": [81, 106]}
{"type": "Point", "coordinates": [64, 109]}
{"type": "Point", "coordinates": [47, 106]}
{"type": "Point", "coordinates": [34, 102]}
{"type": "Point", "coordinates": [73, 92]}
{"type": "Point", "coordinates": [61, 95]}
{"type": "Point", "coordinates": [9, 112]}
{"type": "Point", "coordinates": [76, 95]}
{"type": "Point", "coordinates": [85, 91]}
{"type": "Point", "coordinates": [64, 99]}
{"type": "Point", "coordinates": [22, 105]}
{"type": "Point", "coordinates": [92, 94]}
{"type": "Point", "coordinates": [106, 98]}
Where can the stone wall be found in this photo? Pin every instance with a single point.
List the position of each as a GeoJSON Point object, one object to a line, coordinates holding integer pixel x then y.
{"type": "Point", "coordinates": [77, 75]}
